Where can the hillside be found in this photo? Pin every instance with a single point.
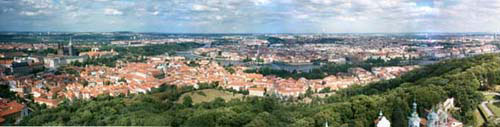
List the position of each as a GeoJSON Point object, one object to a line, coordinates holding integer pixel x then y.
{"type": "Point", "coordinates": [357, 106]}
{"type": "Point", "coordinates": [208, 95]}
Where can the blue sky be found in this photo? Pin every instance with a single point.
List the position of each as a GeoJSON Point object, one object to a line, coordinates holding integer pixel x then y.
{"type": "Point", "coordinates": [251, 16]}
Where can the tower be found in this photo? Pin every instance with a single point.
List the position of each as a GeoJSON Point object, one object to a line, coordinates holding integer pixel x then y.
{"type": "Point", "coordinates": [60, 49]}
{"type": "Point", "coordinates": [495, 36]}
{"type": "Point", "coordinates": [414, 120]}
{"type": "Point", "coordinates": [432, 119]}
{"type": "Point", "coordinates": [443, 117]}
{"type": "Point", "coordinates": [70, 46]}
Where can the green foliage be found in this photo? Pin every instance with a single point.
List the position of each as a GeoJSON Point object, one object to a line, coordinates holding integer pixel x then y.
{"type": "Point", "coordinates": [110, 62]}
{"type": "Point", "coordinates": [6, 93]}
{"type": "Point", "coordinates": [355, 106]}
{"type": "Point", "coordinates": [247, 59]}
{"type": "Point", "coordinates": [154, 49]}
{"type": "Point", "coordinates": [187, 101]}
{"type": "Point", "coordinates": [275, 40]}
{"type": "Point", "coordinates": [325, 90]}
{"type": "Point", "coordinates": [230, 70]}
{"type": "Point", "coordinates": [67, 70]}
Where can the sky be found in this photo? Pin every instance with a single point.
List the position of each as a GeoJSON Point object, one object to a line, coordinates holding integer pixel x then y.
{"type": "Point", "coordinates": [251, 16]}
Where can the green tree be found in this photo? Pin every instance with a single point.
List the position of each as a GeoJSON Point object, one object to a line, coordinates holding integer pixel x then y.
{"type": "Point", "coordinates": [187, 101]}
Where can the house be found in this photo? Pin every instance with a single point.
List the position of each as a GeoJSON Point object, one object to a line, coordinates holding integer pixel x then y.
{"type": "Point", "coordinates": [11, 110]}
{"type": "Point", "coordinates": [49, 102]}
{"type": "Point", "coordinates": [256, 91]}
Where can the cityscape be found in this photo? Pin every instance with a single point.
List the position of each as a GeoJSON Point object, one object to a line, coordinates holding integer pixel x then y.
{"type": "Point", "coordinates": [257, 63]}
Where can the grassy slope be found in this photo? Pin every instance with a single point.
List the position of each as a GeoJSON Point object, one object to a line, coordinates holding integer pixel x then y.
{"type": "Point", "coordinates": [494, 109]}
{"type": "Point", "coordinates": [210, 94]}
{"type": "Point", "coordinates": [478, 118]}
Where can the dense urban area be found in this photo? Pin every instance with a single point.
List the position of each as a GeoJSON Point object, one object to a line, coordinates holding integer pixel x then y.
{"type": "Point", "coordinates": [252, 80]}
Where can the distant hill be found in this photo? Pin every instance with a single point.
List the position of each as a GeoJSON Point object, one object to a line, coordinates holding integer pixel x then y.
{"type": "Point", "coordinates": [275, 40]}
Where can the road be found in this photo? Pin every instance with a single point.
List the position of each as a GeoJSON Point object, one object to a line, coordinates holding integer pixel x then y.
{"type": "Point", "coordinates": [489, 113]}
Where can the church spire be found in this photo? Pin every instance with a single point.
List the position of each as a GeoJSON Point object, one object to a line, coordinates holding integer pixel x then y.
{"type": "Point", "coordinates": [414, 120]}
{"type": "Point", "coordinates": [414, 106]}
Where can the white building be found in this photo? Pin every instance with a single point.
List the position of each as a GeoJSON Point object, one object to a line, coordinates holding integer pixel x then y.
{"type": "Point", "coordinates": [382, 121]}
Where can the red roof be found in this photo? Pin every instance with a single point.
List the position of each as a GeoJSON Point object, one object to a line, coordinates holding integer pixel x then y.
{"type": "Point", "coordinates": [10, 108]}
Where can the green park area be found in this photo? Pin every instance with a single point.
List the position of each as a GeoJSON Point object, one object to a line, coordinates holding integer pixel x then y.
{"type": "Point", "coordinates": [208, 95]}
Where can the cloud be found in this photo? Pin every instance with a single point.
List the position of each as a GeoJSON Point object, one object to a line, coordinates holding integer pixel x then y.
{"type": "Point", "coordinates": [29, 13]}
{"type": "Point", "coordinates": [261, 2]}
{"type": "Point", "coordinates": [252, 15]}
{"type": "Point", "coordinates": [111, 11]}
{"type": "Point", "coordinates": [199, 7]}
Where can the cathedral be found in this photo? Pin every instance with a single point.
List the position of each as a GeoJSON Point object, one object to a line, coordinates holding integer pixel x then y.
{"type": "Point", "coordinates": [435, 118]}
{"type": "Point", "coordinates": [66, 50]}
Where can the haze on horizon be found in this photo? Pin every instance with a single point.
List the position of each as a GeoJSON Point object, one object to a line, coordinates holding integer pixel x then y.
{"type": "Point", "coordinates": [251, 16]}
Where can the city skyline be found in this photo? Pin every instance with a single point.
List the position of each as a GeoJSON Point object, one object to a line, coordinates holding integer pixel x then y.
{"type": "Point", "coordinates": [255, 16]}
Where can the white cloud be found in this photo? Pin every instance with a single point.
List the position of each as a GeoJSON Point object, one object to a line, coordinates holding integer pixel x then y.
{"type": "Point", "coordinates": [261, 2]}
{"type": "Point", "coordinates": [111, 11]}
{"type": "Point", "coordinates": [28, 13]}
{"type": "Point", "coordinates": [199, 7]}
{"type": "Point", "coordinates": [156, 13]}
{"type": "Point", "coordinates": [32, 13]}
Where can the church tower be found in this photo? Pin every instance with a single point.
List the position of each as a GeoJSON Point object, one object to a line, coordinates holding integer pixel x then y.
{"type": "Point", "coordinates": [432, 119]}
{"type": "Point", "coordinates": [60, 49]}
{"type": "Point", "coordinates": [414, 120]}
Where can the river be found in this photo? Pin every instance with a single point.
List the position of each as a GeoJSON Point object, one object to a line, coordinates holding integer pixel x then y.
{"type": "Point", "coordinates": [281, 66]}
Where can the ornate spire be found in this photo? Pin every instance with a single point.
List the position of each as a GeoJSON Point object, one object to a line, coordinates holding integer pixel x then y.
{"type": "Point", "coordinates": [414, 120]}
{"type": "Point", "coordinates": [414, 105]}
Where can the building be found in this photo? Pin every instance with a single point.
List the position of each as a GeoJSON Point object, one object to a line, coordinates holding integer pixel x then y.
{"type": "Point", "coordinates": [441, 118]}
{"type": "Point", "coordinates": [49, 102]}
{"type": "Point", "coordinates": [11, 111]}
{"type": "Point", "coordinates": [382, 121]}
{"type": "Point", "coordinates": [66, 50]}
{"type": "Point", "coordinates": [24, 66]}
{"type": "Point", "coordinates": [256, 92]}
{"type": "Point", "coordinates": [432, 119]}
{"type": "Point", "coordinates": [414, 120]}
{"type": "Point", "coordinates": [54, 62]}
{"type": "Point", "coordinates": [435, 118]}
{"type": "Point", "coordinates": [95, 53]}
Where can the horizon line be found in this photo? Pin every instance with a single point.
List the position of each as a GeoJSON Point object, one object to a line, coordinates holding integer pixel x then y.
{"type": "Point", "coordinates": [245, 32]}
